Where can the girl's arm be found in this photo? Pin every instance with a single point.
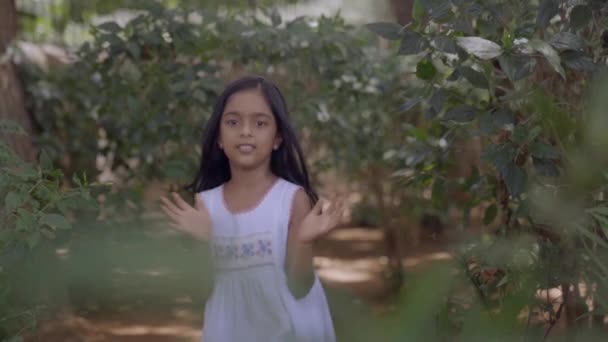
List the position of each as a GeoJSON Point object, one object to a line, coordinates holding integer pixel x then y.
{"type": "Point", "coordinates": [300, 271]}
{"type": "Point", "coordinates": [306, 226]}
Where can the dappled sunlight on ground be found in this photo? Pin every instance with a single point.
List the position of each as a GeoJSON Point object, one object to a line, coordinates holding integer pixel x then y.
{"type": "Point", "coordinates": [69, 327]}
{"type": "Point", "coordinates": [411, 262]}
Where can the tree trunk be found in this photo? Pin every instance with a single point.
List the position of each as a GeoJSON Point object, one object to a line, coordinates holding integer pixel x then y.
{"type": "Point", "coordinates": [403, 10]}
{"type": "Point", "coordinates": [392, 234]}
{"type": "Point", "coordinates": [12, 106]}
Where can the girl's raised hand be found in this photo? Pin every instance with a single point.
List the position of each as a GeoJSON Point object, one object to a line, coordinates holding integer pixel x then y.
{"type": "Point", "coordinates": [195, 221]}
{"type": "Point", "coordinates": [321, 221]}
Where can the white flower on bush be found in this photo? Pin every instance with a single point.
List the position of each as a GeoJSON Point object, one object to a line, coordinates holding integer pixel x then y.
{"type": "Point", "coordinates": [323, 114]}
{"type": "Point", "coordinates": [348, 78]}
{"type": "Point", "coordinates": [371, 89]}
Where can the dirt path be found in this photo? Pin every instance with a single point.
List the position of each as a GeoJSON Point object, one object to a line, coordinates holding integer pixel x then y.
{"type": "Point", "coordinates": [349, 261]}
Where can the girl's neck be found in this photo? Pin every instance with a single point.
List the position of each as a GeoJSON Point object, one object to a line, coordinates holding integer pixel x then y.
{"type": "Point", "coordinates": [247, 179]}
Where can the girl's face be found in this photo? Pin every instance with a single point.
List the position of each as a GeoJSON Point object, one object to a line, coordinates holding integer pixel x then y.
{"type": "Point", "coordinates": [248, 130]}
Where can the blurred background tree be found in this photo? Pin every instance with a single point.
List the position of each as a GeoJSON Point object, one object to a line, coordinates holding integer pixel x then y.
{"type": "Point", "coordinates": [469, 125]}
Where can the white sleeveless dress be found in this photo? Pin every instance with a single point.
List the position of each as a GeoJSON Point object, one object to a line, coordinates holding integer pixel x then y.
{"type": "Point", "coordinates": [250, 300]}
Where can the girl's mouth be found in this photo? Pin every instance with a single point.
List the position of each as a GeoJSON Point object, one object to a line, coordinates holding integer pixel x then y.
{"type": "Point", "coordinates": [245, 147]}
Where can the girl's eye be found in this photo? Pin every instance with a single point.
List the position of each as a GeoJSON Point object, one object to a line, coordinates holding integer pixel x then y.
{"type": "Point", "coordinates": [231, 122]}
{"type": "Point", "coordinates": [262, 123]}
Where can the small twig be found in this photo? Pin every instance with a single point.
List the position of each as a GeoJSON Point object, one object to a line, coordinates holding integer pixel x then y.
{"type": "Point", "coordinates": [528, 323]}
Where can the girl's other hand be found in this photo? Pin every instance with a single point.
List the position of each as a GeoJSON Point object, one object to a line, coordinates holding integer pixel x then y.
{"type": "Point", "coordinates": [195, 221]}
{"type": "Point", "coordinates": [321, 220]}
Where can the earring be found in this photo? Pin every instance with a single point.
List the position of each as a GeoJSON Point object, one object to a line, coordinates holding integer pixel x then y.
{"type": "Point", "coordinates": [275, 147]}
{"type": "Point", "coordinates": [220, 145]}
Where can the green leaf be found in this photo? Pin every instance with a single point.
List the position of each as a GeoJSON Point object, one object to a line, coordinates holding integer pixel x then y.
{"type": "Point", "coordinates": [438, 99]}
{"type": "Point", "coordinates": [439, 191]}
{"type": "Point", "coordinates": [10, 126]}
{"type": "Point", "coordinates": [412, 43]}
{"type": "Point", "coordinates": [45, 161]}
{"type": "Point", "coordinates": [418, 11]}
{"type": "Point", "coordinates": [386, 30]}
{"type": "Point", "coordinates": [475, 77]}
{"type": "Point", "coordinates": [454, 76]}
{"type": "Point", "coordinates": [544, 150]}
{"type": "Point", "coordinates": [503, 117]}
{"type": "Point", "coordinates": [480, 47]}
{"type": "Point", "coordinates": [546, 11]}
{"type": "Point", "coordinates": [486, 124]}
{"type": "Point", "coordinates": [461, 114]}
{"type": "Point", "coordinates": [445, 44]}
{"type": "Point", "coordinates": [33, 239]}
{"type": "Point", "coordinates": [25, 220]}
{"type": "Point", "coordinates": [507, 39]}
{"type": "Point", "coordinates": [425, 70]}
{"type": "Point", "coordinates": [431, 114]}
{"type": "Point", "coordinates": [504, 281]}
{"type": "Point", "coordinates": [520, 135]}
{"type": "Point", "coordinates": [275, 17]}
{"type": "Point", "coordinates": [580, 16]}
{"type": "Point", "coordinates": [516, 67]}
{"type": "Point", "coordinates": [55, 221]}
{"type": "Point", "coordinates": [599, 210]}
{"type": "Point", "coordinates": [550, 54]}
{"type": "Point", "coordinates": [545, 167]}
{"type": "Point", "coordinates": [499, 155]}
{"type": "Point", "coordinates": [133, 49]}
{"type": "Point", "coordinates": [49, 234]}
{"type": "Point", "coordinates": [14, 339]}
{"type": "Point", "coordinates": [409, 104]}
{"type": "Point", "coordinates": [515, 178]}
{"type": "Point", "coordinates": [13, 200]}
{"type": "Point", "coordinates": [566, 41]}
{"type": "Point", "coordinates": [592, 236]}
{"type": "Point", "coordinates": [129, 70]}
{"type": "Point", "coordinates": [577, 60]}
{"type": "Point", "coordinates": [110, 26]}
{"type": "Point", "coordinates": [441, 12]}
{"type": "Point", "coordinates": [490, 214]}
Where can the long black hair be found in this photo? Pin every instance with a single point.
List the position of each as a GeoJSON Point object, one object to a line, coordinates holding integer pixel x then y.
{"type": "Point", "coordinates": [286, 162]}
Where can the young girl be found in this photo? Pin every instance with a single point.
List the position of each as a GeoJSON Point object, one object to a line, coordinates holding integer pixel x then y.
{"type": "Point", "coordinates": [254, 206]}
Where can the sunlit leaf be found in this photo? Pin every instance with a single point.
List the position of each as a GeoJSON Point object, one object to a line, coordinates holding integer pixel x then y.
{"type": "Point", "coordinates": [550, 54]}
{"type": "Point", "coordinates": [480, 47]}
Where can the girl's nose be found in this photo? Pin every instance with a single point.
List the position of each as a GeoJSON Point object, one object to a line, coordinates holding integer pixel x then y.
{"type": "Point", "coordinates": [246, 130]}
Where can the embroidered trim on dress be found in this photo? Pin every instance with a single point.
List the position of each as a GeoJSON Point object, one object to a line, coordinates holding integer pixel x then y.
{"type": "Point", "coordinates": [242, 252]}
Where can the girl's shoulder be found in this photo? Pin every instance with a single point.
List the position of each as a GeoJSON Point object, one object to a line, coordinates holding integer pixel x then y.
{"type": "Point", "coordinates": [209, 192]}
{"type": "Point", "coordinates": [288, 185]}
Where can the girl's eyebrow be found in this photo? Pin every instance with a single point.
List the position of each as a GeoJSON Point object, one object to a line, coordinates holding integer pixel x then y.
{"type": "Point", "coordinates": [252, 114]}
